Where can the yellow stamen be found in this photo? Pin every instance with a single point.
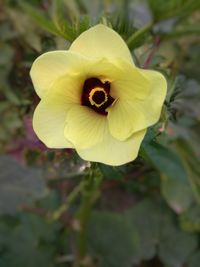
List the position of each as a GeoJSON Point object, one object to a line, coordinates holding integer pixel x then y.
{"type": "Point", "coordinates": [92, 93]}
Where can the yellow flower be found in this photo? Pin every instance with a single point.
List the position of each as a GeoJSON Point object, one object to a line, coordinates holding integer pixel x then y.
{"type": "Point", "coordinates": [94, 99]}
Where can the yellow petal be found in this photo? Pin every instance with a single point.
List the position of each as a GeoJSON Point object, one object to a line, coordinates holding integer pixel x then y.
{"type": "Point", "coordinates": [112, 151]}
{"type": "Point", "coordinates": [129, 114]}
{"type": "Point", "coordinates": [70, 87]}
{"type": "Point", "coordinates": [50, 115]}
{"type": "Point", "coordinates": [47, 68]}
{"type": "Point", "coordinates": [101, 41]}
{"type": "Point", "coordinates": [129, 81]}
{"type": "Point", "coordinates": [84, 127]}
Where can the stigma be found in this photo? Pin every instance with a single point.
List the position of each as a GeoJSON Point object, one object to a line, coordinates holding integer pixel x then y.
{"type": "Point", "coordinates": [96, 95]}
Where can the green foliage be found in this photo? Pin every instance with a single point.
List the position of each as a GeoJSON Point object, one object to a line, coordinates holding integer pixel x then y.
{"type": "Point", "coordinates": [18, 185]}
{"type": "Point", "coordinates": [111, 239]}
{"type": "Point", "coordinates": [175, 185]}
{"type": "Point", "coordinates": [190, 219]}
{"type": "Point", "coordinates": [111, 172]}
{"type": "Point", "coordinates": [147, 230]}
{"type": "Point", "coordinates": [194, 260]}
{"type": "Point", "coordinates": [157, 231]}
{"type": "Point", "coordinates": [172, 8]}
{"type": "Point", "coordinates": [30, 242]}
{"type": "Point", "coordinates": [39, 17]}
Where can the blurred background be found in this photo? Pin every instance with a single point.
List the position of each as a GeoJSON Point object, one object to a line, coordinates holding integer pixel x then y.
{"type": "Point", "coordinates": [148, 211]}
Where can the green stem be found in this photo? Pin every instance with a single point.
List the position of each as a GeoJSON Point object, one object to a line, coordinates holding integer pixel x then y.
{"type": "Point", "coordinates": [89, 195]}
{"type": "Point", "coordinates": [136, 35]}
{"type": "Point", "coordinates": [179, 33]}
{"type": "Point", "coordinates": [84, 214]}
{"type": "Point", "coordinates": [64, 207]}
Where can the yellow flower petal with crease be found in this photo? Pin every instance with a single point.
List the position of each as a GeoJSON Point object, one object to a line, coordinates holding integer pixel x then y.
{"type": "Point", "coordinates": [113, 152]}
{"type": "Point", "coordinates": [129, 114]}
{"type": "Point", "coordinates": [50, 115]}
{"type": "Point", "coordinates": [47, 68]}
{"type": "Point", "coordinates": [129, 81]}
{"type": "Point", "coordinates": [84, 128]}
{"type": "Point", "coordinates": [101, 41]}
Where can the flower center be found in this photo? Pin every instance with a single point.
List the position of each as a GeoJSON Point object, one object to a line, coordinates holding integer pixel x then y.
{"type": "Point", "coordinates": [96, 95]}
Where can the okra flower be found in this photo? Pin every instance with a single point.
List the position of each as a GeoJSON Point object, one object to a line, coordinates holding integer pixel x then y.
{"type": "Point", "coordinates": [94, 99]}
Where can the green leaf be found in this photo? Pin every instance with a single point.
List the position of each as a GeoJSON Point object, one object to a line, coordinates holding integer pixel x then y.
{"type": "Point", "coordinates": [40, 18]}
{"type": "Point", "coordinates": [190, 219]}
{"type": "Point", "coordinates": [66, 17]}
{"type": "Point", "coordinates": [84, 24]}
{"type": "Point", "coordinates": [184, 30]}
{"type": "Point", "coordinates": [11, 96]}
{"type": "Point", "coordinates": [184, 245]}
{"type": "Point", "coordinates": [19, 185]}
{"type": "Point", "coordinates": [111, 239]}
{"type": "Point", "coordinates": [164, 159]}
{"type": "Point", "coordinates": [157, 230]}
{"type": "Point", "coordinates": [6, 61]}
{"type": "Point", "coordinates": [145, 219]}
{"type": "Point", "coordinates": [25, 28]}
{"type": "Point", "coordinates": [29, 242]}
{"type": "Point", "coordinates": [137, 38]}
{"type": "Point", "coordinates": [177, 193]}
{"type": "Point", "coordinates": [191, 163]}
{"type": "Point", "coordinates": [194, 260]}
{"type": "Point", "coordinates": [110, 172]}
{"type": "Point", "coordinates": [174, 183]}
{"type": "Point", "coordinates": [166, 9]}
{"type": "Point", "coordinates": [60, 20]}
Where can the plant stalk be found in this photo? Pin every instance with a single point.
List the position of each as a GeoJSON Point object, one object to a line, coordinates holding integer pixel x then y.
{"type": "Point", "coordinates": [136, 35]}
{"type": "Point", "coordinates": [90, 194]}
